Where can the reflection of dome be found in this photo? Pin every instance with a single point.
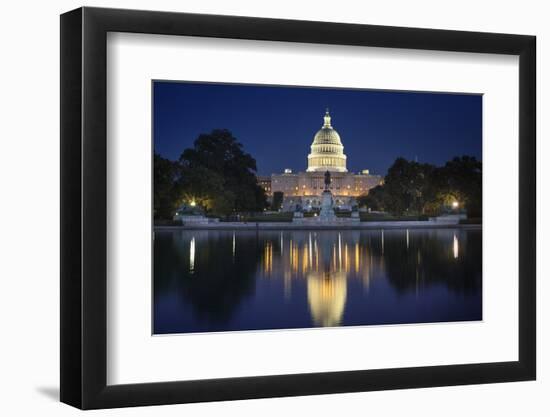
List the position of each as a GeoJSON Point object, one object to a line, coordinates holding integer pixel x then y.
{"type": "Point", "coordinates": [327, 151]}
{"type": "Point", "coordinates": [326, 295]}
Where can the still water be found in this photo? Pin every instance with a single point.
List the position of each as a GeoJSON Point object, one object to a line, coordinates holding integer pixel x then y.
{"type": "Point", "coordinates": [224, 281]}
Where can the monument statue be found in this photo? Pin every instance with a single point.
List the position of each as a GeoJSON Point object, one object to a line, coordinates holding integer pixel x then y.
{"type": "Point", "coordinates": [327, 204]}
{"type": "Point", "coordinates": [328, 180]}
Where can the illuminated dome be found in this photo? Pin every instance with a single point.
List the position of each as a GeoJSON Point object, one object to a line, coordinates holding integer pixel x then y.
{"type": "Point", "coordinates": [327, 151]}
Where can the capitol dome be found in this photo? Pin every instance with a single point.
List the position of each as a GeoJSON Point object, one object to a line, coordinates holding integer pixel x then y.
{"type": "Point", "coordinates": [327, 151]}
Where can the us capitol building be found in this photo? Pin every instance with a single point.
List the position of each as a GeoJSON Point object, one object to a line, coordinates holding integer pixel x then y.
{"type": "Point", "coordinates": [304, 189]}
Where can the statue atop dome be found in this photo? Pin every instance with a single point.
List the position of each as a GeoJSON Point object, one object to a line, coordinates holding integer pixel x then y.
{"type": "Point", "coordinates": [327, 119]}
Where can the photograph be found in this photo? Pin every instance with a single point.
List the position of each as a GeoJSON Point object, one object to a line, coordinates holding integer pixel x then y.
{"type": "Point", "coordinates": [273, 209]}
{"type": "Point", "coordinates": [298, 207]}
{"type": "Point", "coordinates": [257, 206]}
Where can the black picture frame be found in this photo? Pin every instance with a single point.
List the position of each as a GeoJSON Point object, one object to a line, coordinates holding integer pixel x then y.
{"type": "Point", "coordinates": [84, 207]}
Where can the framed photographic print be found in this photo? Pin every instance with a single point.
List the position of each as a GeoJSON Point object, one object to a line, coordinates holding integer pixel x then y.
{"type": "Point", "coordinates": [258, 208]}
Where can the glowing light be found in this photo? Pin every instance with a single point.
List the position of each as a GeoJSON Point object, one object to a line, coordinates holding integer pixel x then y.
{"type": "Point", "coordinates": [193, 203]}
{"type": "Point", "coordinates": [455, 204]}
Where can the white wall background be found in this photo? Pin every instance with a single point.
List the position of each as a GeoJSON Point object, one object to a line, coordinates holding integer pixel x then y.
{"type": "Point", "coordinates": [29, 225]}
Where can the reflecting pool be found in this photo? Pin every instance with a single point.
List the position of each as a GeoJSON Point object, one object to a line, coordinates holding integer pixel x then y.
{"type": "Point", "coordinates": [207, 281]}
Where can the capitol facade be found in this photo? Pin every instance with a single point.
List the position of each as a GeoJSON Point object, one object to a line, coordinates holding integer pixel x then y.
{"type": "Point", "coordinates": [304, 189]}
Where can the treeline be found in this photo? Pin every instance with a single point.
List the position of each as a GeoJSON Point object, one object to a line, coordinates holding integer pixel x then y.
{"type": "Point", "coordinates": [216, 174]}
{"type": "Point", "coordinates": [416, 188]}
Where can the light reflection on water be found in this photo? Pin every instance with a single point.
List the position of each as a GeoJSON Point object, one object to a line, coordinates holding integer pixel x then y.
{"type": "Point", "coordinates": [294, 279]}
{"type": "Point", "coordinates": [192, 255]}
{"type": "Point", "coordinates": [455, 246]}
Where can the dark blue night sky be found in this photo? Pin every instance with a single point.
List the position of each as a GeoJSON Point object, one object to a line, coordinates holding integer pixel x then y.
{"type": "Point", "coordinates": [276, 125]}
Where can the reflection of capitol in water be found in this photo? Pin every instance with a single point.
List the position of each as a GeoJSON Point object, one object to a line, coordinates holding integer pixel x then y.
{"type": "Point", "coordinates": [326, 261]}
{"type": "Point", "coordinates": [326, 296]}
{"type": "Point", "coordinates": [224, 280]}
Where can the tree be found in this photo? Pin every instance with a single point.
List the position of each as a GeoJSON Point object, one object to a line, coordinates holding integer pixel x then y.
{"type": "Point", "coordinates": [407, 186]}
{"type": "Point", "coordinates": [277, 202]}
{"type": "Point", "coordinates": [417, 188]}
{"type": "Point", "coordinates": [374, 199]}
{"type": "Point", "coordinates": [164, 192]}
{"type": "Point", "coordinates": [461, 178]}
{"type": "Point", "coordinates": [220, 175]}
{"type": "Point", "coordinates": [205, 188]}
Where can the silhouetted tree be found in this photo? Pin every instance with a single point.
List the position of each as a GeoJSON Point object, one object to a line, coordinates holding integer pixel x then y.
{"type": "Point", "coordinates": [462, 178]}
{"type": "Point", "coordinates": [277, 202]}
{"type": "Point", "coordinates": [219, 171]}
{"type": "Point", "coordinates": [411, 187]}
{"type": "Point", "coordinates": [407, 186]}
{"type": "Point", "coordinates": [374, 199]}
{"type": "Point", "coordinates": [165, 193]}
